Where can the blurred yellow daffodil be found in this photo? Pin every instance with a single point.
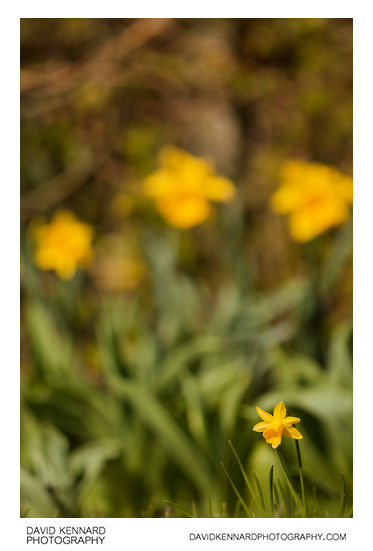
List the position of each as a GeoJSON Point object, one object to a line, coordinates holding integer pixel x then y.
{"type": "Point", "coordinates": [118, 265]}
{"type": "Point", "coordinates": [315, 196]}
{"type": "Point", "coordinates": [184, 186]}
{"type": "Point", "coordinates": [274, 426]}
{"type": "Point", "coordinates": [63, 245]}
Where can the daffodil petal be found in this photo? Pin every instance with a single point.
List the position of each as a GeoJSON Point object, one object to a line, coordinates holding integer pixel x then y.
{"type": "Point", "coordinates": [292, 432]}
{"type": "Point", "coordinates": [267, 417]}
{"type": "Point", "coordinates": [279, 412]}
{"type": "Point", "coordinates": [183, 211]}
{"type": "Point", "coordinates": [260, 427]}
{"type": "Point", "coordinates": [218, 188]}
{"type": "Point", "coordinates": [271, 435]}
{"type": "Point", "coordinates": [291, 420]}
{"type": "Point", "coordinates": [275, 442]}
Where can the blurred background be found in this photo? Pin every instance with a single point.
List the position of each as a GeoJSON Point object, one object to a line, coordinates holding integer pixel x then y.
{"type": "Point", "coordinates": [140, 360]}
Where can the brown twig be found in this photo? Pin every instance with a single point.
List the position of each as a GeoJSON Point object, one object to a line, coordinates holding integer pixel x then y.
{"type": "Point", "coordinates": [99, 64]}
{"type": "Point", "coordinates": [62, 186]}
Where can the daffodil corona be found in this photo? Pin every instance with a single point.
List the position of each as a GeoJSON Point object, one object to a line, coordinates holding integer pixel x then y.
{"type": "Point", "coordinates": [274, 426]}
{"type": "Point", "coordinates": [316, 197]}
{"type": "Point", "coordinates": [184, 186]}
{"type": "Point", "coordinates": [63, 245]}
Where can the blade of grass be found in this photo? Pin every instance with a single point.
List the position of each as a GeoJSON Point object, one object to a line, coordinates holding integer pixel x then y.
{"type": "Point", "coordinates": [259, 489]}
{"type": "Point", "coordinates": [249, 487]}
{"type": "Point", "coordinates": [194, 509]}
{"type": "Point", "coordinates": [210, 508]}
{"type": "Point", "coordinates": [240, 498]}
{"type": "Point", "coordinates": [277, 505]}
{"type": "Point", "coordinates": [342, 504]}
{"type": "Point", "coordinates": [223, 509]}
{"type": "Point", "coordinates": [237, 510]}
{"type": "Point", "coordinates": [286, 498]}
{"type": "Point", "coordinates": [290, 485]}
{"type": "Point", "coordinates": [179, 508]}
{"type": "Point", "coordinates": [300, 467]}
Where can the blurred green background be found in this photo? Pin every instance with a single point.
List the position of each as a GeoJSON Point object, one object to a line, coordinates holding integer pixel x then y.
{"type": "Point", "coordinates": [137, 371]}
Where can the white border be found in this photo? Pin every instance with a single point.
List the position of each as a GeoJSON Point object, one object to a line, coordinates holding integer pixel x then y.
{"type": "Point", "coordinates": [192, 8]}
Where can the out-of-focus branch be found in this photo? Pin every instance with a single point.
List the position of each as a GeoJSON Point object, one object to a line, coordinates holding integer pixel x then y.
{"type": "Point", "coordinates": [62, 186]}
{"type": "Point", "coordinates": [100, 63]}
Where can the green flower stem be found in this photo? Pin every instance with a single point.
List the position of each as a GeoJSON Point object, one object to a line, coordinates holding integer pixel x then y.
{"type": "Point", "coordinates": [299, 459]}
{"type": "Point", "coordinates": [291, 487]}
{"type": "Point", "coordinates": [271, 488]}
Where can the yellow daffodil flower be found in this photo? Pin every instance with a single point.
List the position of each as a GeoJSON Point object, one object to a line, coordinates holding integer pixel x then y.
{"type": "Point", "coordinates": [63, 245]}
{"type": "Point", "coordinates": [274, 426]}
{"type": "Point", "coordinates": [184, 186]}
{"type": "Point", "coordinates": [316, 197]}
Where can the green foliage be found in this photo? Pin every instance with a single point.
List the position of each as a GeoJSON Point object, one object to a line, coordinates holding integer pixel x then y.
{"type": "Point", "coordinates": [153, 423]}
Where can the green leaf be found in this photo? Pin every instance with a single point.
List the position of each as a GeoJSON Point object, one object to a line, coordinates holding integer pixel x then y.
{"type": "Point", "coordinates": [36, 497]}
{"type": "Point", "coordinates": [170, 434]}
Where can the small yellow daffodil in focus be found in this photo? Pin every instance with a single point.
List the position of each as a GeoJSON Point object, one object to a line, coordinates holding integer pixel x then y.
{"type": "Point", "coordinates": [63, 245]}
{"type": "Point", "coordinates": [184, 186]}
{"type": "Point", "coordinates": [274, 426]}
{"type": "Point", "coordinates": [316, 197]}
